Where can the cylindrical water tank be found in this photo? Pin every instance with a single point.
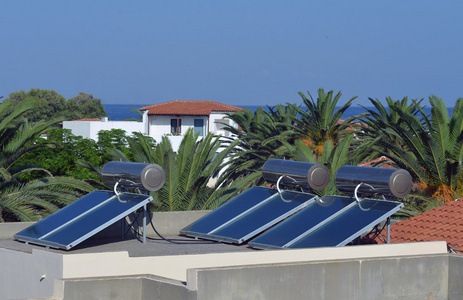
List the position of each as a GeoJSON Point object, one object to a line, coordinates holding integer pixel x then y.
{"type": "Point", "coordinates": [384, 181]}
{"type": "Point", "coordinates": [296, 173]}
{"type": "Point", "coordinates": [150, 177]}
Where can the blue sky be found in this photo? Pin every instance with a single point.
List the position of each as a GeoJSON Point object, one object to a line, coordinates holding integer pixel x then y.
{"type": "Point", "coordinates": [235, 52]}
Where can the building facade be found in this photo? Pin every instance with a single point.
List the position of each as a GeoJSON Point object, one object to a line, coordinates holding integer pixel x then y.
{"type": "Point", "coordinates": [171, 118]}
{"type": "Point", "coordinates": [176, 117]}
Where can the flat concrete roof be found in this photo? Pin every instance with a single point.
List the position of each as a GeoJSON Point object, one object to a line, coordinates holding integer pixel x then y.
{"type": "Point", "coordinates": [179, 245]}
{"type": "Point", "coordinates": [199, 267]}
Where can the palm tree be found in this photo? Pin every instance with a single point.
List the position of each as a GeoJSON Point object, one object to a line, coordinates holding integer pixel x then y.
{"type": "Point", "coordinates": [260, 135]}
{"type": "Point", "coordinates": [321, 121]}
{"type": "Point", "coordinates": [22, 199]}
{"type": "Point", "coordinates": [381, 117]}
{"type": "Point", "coordinates": [333, 157]}
{"type": "Point", "coordinates": [429, 147]}
{"type": "Point", "coordinates": [189, 172]}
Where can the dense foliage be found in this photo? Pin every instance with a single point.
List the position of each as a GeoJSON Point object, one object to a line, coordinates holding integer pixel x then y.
{"type": "Point", "coordinates": [260, 135]}
{"type": "Point", "coordinates": [67, 149]}
{"type": "Point", "coordinates": [51, 105]}
{"type": "Point", "coordinates": [430, 147]}
{"type": "Point", "coordinates": [28, 192]}
{"type": "Point", "coordinates": [190, 183]}
{"type": "Point", "coordinates": [205, 172]}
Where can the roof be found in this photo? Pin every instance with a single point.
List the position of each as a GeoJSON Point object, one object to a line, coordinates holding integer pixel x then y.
{"type": "Point", "coordinates": [443, 223]}
{"type": "Point", "coordinates": [189, 107]}
{"type": "Point", "coordinates": [90, 119]}
{"type": "Point", "coordinates": [383, 162]}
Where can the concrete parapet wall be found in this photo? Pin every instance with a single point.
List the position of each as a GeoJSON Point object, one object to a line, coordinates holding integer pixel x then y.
{"type": "Point", "coordinates": [144, 287]}
{"type": "Point", "coordinates": [455, 277]}
{"type": "Point", "coordinates": [7, 230]}
{"type": "Point", "coordinates": [26, 275]}
{"type": "Point", "coordinates": [436, 277]}
{"type": "Point", "coordinates": [178, 267]}
{"type": "Point", "coordinates": [170, 223]}
{"type": "Point", "coordinates": [425, 277]}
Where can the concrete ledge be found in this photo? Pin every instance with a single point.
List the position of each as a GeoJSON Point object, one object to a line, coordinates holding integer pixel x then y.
{"type": "Point", "coordinates": [166, 223]}
{"type": "Point", "coordinates": [417, 277]}
{"type": "Point", "coordinates": [181, 267]}
{"type": "Point", "coordinates": [7, 230]}
{"type": "Point", "coordinates": [170, 223]}
{"type": "Point", "coordinates": [406, 277]}
{"type": "Point", "coordinates": [138, 287]}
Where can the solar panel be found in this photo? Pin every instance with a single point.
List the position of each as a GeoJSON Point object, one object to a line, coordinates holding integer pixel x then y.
{"type": "Point", "coordinates": [330, 221]}
{"type": "Point", "coordinates": [248, 214]}
{"type": "Point", "coordinates": [83, 218]}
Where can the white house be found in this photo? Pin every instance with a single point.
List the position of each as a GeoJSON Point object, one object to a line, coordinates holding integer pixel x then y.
{"type": "Point", "coordinates": [172, 118]}
{"type": "Point", "coordinates": [176, 117]}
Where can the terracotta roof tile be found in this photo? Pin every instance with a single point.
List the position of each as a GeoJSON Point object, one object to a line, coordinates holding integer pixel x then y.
{"type": "Point", "coordinates": [444, 223]}
{"type": "Point", "coordinates": [189, 107]}
{"type": "Point", "coordinates": [89, 119]}
{"type": "Point", "coordinates": [384, 161]}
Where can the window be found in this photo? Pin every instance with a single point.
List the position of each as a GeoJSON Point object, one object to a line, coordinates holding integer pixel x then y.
{"type": "Point", "coordinates": [199, 126]}
{"type": "Point", "coordinates": [176, 126]}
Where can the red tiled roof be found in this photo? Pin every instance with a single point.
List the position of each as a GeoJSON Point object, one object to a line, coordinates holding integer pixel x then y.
{"type": "Point", "coordinates": [383, 160]}
{"type": "Point", "coordinates": [443, 223]}
{"type": "Point", "coordinates": [86, 119]}
{"type": "Point", "coordinates": [89, 119]}
{"type": "Point", "coordinates": [189, 107]}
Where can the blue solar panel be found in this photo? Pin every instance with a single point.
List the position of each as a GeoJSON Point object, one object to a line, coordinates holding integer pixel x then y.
{"type": "Point", "coordinates": [82, 219]}
{"type": "Point", "coordinates": [65, 214]}
{"type": "Point", "coordinates": [330, 221]}
{"type": "Point", "coordinates": [248, 214]}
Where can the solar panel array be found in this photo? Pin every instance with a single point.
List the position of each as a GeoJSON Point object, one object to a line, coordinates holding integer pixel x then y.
{"type": "Point", "coordinates": [331, 221]}
{"type": "Point", "coordinates": [81, 219]}
{"type": "Point", "coordinates": [291, 220]}
{"type": "Point", "coordinates": [278, 219]}
{"type": "Point", "coordinates": [248, 214]}
{"type": "Point", "coordinates": [267, 218]}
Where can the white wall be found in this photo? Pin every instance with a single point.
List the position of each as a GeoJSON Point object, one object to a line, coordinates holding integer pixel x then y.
{"type": "Point", "coordinates": [90, 129]}
{"type": "Point", "coordinates": [174, 140]}
{"type": "Point", "coordinates": [154, 126]}
{"type": "Point", "coordinates": [160, 125]}
{"type": "Point", "coordinates": [216, 125]}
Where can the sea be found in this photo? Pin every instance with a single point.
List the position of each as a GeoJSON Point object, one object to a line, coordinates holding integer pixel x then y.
{"type": "Point", "coordinates": [120, 112]}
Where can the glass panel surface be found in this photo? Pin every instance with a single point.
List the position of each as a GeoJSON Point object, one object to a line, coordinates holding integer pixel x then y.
{"type": "Point", "coordinates": [265, 215]}
{"type": "Point", "coordinates": [199, 126]}
{"type": "Point", "coordinates": [357, 218]}
{"type": "Point", "coordinates": [65, 214]}
{"type": "Point", "coordinates": [302, 221]}
{"type": "Point", "coordinates": [124, 204]}
{"type": "Point", "coordinates": [229, 210]}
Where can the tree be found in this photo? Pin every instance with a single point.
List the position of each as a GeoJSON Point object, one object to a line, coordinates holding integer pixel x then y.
{"type": "Point", "coordinates": [28, 199]}
{"type": "Point", "coordinates": [333, 157]}
{"type": "Point", "coordinates": [66, 150]}
{"type": "Point", "coordinates": [137, 111]}
{"type": "Point", "coordinates": [48, 104]}
{"type": "Point", "coordinates": [260, 135]}
{"type": "Point", "coordinates": [381, 118]}
{"type": "Point", "coordinates": [188, 172]}
{"type": "Point", "coordinates": [51, 105]}
{"type": "Point", "coordinates": [84, 106]}
{"type": "Point", "coordinates": [429, 147]}
{"type": "Point", "coordinates": [321, 121]}
{"type": "Point", "coordinates": [110, 139]}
